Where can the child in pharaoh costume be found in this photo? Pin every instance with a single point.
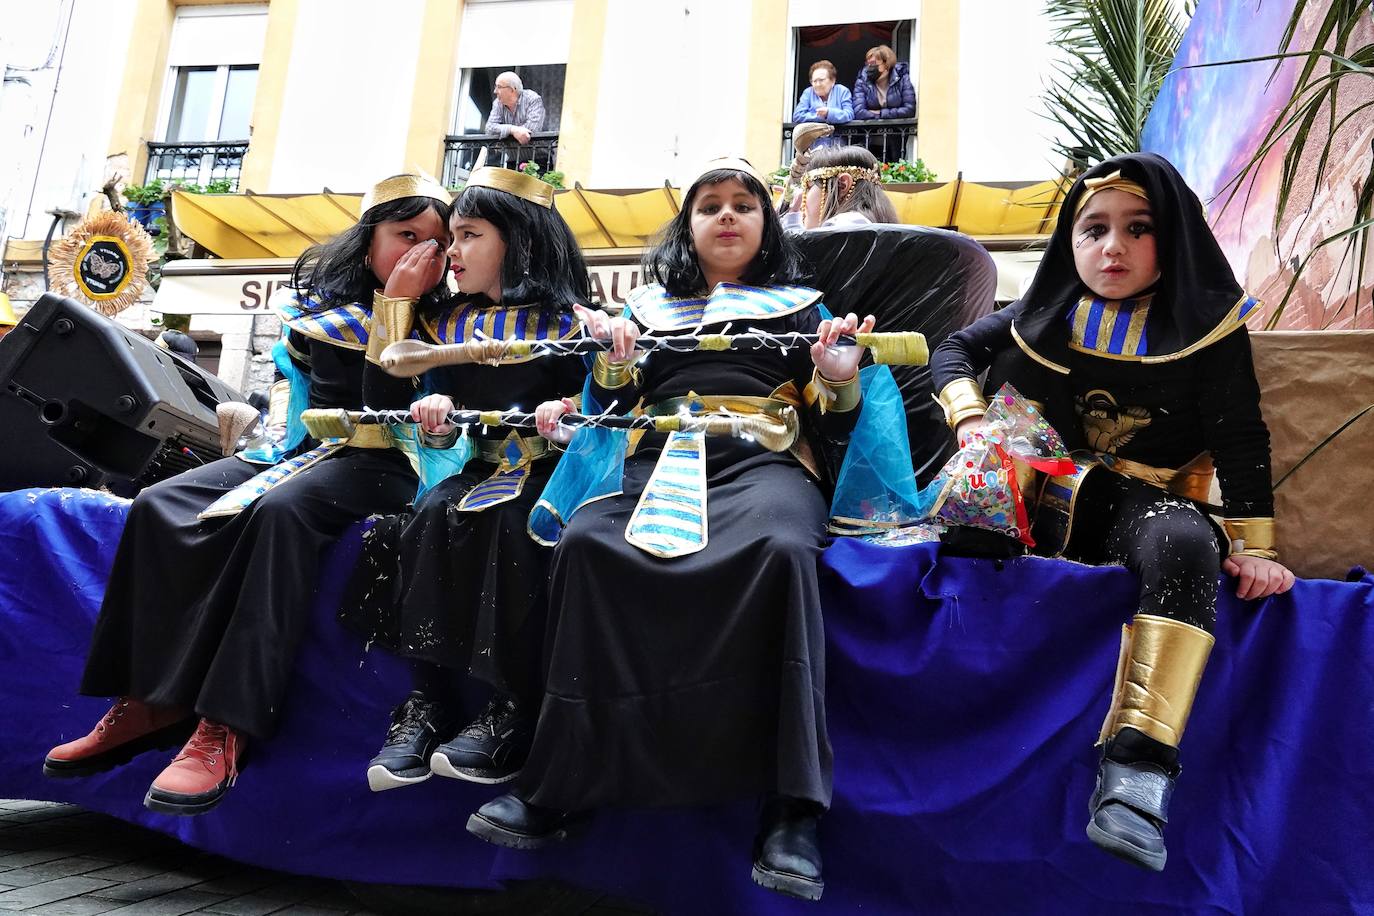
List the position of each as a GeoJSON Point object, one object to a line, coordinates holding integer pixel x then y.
{"type": "Point", "coordinates": [457, 585]}
{"type": "Point", "coordinates": [213, 578]}
{"type": "Point", "coordinates": [685, 642]}
{"type": "Point", "coordinates": [1132, 337]}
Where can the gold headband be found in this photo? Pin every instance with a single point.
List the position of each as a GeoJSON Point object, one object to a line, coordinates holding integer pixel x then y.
{"type": "Point", "coordinates": [525, 187]}
{"type": "Point", "coordinates": [858, 173]}
{"type": "Point", "coordinates": [734, 163]}
{"type": "Point", "coordinates": [398, 187]}
{"type": "Point", "coordinates": [1112, 182]}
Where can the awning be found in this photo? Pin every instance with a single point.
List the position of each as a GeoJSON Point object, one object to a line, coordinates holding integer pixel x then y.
{"type": "Point", "coordinates": [282, 226]}
{"type": "Point", "coordinates": [263, 225]}
{"type": "Point", "coordinates": [256, 237]}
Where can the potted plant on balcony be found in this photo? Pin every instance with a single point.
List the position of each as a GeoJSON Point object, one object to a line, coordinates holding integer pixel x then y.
{"type": "Point", "coordinates": [904, 171]}
{"type": "Point", "coordinates": [146, 203]}
{"type": "Point", "coordinates": [552, 176]}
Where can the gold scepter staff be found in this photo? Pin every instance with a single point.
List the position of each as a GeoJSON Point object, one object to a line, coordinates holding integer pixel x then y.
{"type": "Point", "coordinates": [412, 357]}
{"type": "Point", "coordinates": [775, 432]}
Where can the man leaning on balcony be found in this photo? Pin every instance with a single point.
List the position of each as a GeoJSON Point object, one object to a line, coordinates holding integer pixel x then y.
{"type": "Point", "coordinates": [518, 112]}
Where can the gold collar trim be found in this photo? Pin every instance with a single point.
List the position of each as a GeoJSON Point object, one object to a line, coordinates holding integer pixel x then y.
{"type": "Point", "coordinates": [1026, 348]}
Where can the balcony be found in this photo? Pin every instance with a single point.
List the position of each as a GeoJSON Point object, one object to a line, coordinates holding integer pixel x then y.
{"type": "Point", "coordinates": [460, 152]}
{"type": "Point", "coordinates": [888, 139]}
{"type": "Point", "coordinates": [197, 163]}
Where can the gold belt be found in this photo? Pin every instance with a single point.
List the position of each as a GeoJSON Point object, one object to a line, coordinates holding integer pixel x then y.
{"type": "Point", "coordinates": [1192, 481]}
{"type": "Point", "coordinates": [493, 450]}
{"type": "Point", "coordinates": [710, 403]}
{"type": "Point", "coordinates": [369, 435]}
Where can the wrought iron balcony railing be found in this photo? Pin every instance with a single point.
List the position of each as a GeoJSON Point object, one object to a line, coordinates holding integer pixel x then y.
{"type": "Point", "coordinates": [197, 163]}
{"type": "Point", "coordinates": [889, 140]}
{"type": "Point", "coordinates": [460, 152]}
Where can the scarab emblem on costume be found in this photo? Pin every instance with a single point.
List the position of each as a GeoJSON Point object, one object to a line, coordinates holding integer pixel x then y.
{"type": "Point", "coordinates": [1107, 424]}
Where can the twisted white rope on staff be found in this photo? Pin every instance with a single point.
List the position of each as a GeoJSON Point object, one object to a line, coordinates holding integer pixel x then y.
{"type": "Point", "coordinates": [412, 357]}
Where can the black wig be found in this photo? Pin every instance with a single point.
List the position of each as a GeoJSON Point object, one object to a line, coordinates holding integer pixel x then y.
{"type": "Point", "coordinates": [337, 272]}
{"type": "Point", "coordinates": [672, 261]}
{"type": "Point", "coordinates": [543, 266]}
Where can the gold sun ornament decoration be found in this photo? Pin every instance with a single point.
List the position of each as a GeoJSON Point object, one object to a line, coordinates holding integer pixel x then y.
{"type": "Point", "coordinates": [103, 262]}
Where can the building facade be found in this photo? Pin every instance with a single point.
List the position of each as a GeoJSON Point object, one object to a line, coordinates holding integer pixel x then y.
{"type": "Point", "coordinates": [295, 96]}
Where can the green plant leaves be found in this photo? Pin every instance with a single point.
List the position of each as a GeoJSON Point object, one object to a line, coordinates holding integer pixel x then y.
{"type": "Point", "coordinates": [1116, 55]}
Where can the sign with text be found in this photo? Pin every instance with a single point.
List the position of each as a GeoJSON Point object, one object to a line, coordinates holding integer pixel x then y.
{"type": "Point", "coordinates": [213, 293]}
{"type": "Point", "coordinates": [611, 283]}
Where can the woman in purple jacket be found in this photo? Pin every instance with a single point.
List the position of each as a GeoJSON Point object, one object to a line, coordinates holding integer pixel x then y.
{"type": "Point", "coordinates": [883, 89]}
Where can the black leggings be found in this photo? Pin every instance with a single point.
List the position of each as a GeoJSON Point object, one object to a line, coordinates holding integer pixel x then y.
{"type": "Point", "coordinates": [1164, 539]}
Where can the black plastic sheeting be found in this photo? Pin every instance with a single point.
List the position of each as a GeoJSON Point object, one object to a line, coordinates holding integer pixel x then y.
{"type": "Point", "coordinates": [912, 278]}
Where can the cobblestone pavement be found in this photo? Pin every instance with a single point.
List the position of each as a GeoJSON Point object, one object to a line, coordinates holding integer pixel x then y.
{"type": "Point", "coordinates": [60, 860]}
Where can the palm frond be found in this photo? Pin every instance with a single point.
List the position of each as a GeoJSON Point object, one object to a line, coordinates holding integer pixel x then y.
{"type": "Point", "coordinates": [1117, 53]}
{"type": "Point", "coordinates": [1310, 120]}
{"type": "Point", "coordinates": [1316, 449]}
{"type": "Point", "coordinates": [1359, 230]}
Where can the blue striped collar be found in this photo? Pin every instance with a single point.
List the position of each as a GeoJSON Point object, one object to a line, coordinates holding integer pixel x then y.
{"type": "Point", "coordinates": [1118, 329]}
{"type": "Point", "coordinates": [655, 309]}
{"type": "Point", "coordinates": [467, 320]}
{"type": "Point", "coordinates": [344, 325]}
{"type": "Point", "coordinates": [1110, 327]}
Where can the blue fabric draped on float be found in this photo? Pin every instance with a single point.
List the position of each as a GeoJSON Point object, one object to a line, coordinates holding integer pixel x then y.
{"type": "Point", "coordinates": [964, 697]}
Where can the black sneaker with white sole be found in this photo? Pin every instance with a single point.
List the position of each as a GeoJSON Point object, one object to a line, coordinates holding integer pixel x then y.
{"type": "Point", "coordinates": [490, 750]}
{"type": "Point", "coordinates": [418, 726]}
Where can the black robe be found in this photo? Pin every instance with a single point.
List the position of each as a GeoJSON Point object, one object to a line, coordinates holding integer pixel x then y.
{"type": "Point", "coordinates": [465, 590]}
{"type": "Point", "coordinates": [208, 614]}
{"type": "Point", "coordinates": [701, 677]}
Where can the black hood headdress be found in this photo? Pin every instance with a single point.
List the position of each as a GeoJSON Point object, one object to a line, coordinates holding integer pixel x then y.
{"type": "Point", "coordinates": [1197, 300]}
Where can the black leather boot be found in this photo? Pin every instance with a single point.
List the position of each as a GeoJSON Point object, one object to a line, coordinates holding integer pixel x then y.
{"type": "Point", "coordinates": [515, 823]}
{"type": "Point", "coordinates": [1129, 808]}
{"type": "Point", "coordinates": [787, 855]}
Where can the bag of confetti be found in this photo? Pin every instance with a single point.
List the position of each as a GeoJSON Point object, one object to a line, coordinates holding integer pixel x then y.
{"type": "Point", "coordinates": [1021, 429]}
{"type": "Point", "coordinates": [978, 487]}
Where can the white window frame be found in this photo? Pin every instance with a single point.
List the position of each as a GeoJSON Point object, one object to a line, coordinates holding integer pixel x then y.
{"type": "Point", "coordinates": [219, 87]}
{"type": "Point", "coordinates": [464, 85]}
{"type": "Point", "coordinates": [216, 110]}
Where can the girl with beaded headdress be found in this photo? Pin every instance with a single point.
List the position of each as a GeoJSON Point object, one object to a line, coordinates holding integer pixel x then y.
{"type": "Point", "coordinates": [1133, 338]}
{"type": "Point", "coordinates": [213, 578]}
{"type": "Point", "coordinates": [841, 188]}
{"type": "Point", "coordinates": [457, 586]}
{"type": "Point", "coordinates": [685, 608]}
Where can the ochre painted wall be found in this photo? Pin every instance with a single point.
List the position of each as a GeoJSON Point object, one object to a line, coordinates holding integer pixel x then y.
{"type": "Point", "coordinates": [436, 76]}
{"type": "Point", "coordinates": [767, 84]}
{"type": "Point", "coordinates": [937, 91]}
{"type": "Point", "coordinates": [581, 89]}
{"type": "Point", "coordinates": [144, 68]}
{"type": "Point", "coordinates": [273, 73]}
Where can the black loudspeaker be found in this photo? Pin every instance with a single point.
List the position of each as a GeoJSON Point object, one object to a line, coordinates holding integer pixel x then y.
{"type": "Point", "coordinates": [84, 402]}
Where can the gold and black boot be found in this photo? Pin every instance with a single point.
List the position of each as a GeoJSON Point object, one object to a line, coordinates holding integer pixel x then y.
{"type": "Point", "coordinates": [1157, 677]}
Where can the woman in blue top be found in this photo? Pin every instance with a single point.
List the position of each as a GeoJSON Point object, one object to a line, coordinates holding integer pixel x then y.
{"type": "Point", "coordinates": [825, 99]}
